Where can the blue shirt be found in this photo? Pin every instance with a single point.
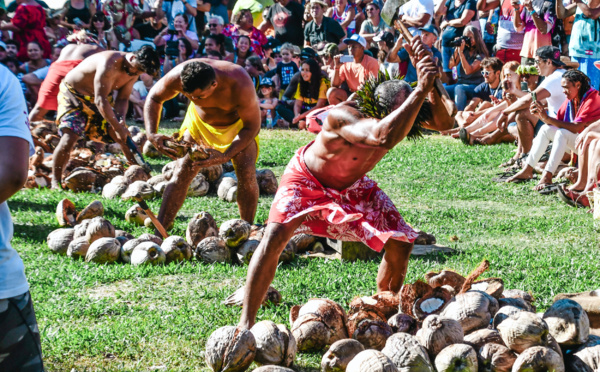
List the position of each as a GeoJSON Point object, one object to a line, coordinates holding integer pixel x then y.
{"type": "Point", "coordinates": [411, 72]}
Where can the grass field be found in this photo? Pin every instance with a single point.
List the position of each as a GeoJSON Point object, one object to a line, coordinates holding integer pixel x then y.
{"type": "Point", "coordinates": [124, 318]}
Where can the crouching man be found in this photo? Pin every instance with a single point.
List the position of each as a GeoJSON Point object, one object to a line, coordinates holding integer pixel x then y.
{"type": "Point", "coordinates": [324, 190]}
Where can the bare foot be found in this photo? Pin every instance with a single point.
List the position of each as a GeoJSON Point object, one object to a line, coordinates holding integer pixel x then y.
{"type": "Point", "coordinates": [523, 175]}
{"type": "Point", "coordinates": [283, 124]}
{"type": "Point", "coordinates": [544, 181]}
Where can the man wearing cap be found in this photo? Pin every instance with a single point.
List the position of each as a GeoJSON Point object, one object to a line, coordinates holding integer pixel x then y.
{"type": "Point", "coordinates": [322, 28]}
{"type": "Point", "coordinates": [429, 35]}
{"type": "Point", "coordinates": [416, 14]}
{"type": "Point", "coordinates": [354, 73]}
{"type": "Point", "coordinates": [85, 102]}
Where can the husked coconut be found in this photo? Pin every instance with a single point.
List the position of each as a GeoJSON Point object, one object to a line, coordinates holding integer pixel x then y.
{"type": "Point", "coordinates": [403, 323]}
{"type": "Point", "coordinates": [319, 322]}
{"type": "Point", "coordinates": [410, 293]}
{"type": "Point", "coordinates": [235, 232]}
{"type": "Point", "coordinates": [127, 248]}
{"type": "Point", "coordinates": [274, 344]}
{"type": "Point", "coordinates": [371, 361]}
{"type": "Point", "coordinates": [246, 250]}
{"type": "Point", "coordinates": [267, 182]}
{"type": "Point", "coordinates": [585, 358]}
{"type": "Point", "coordinates": [567, 322]}
{"type": "Point", "coordinates": [438, 332]}
{"type": "Point", "coordinates": [66, 213]}
{"type": "Point", "coordinates": [472, 309]}
{"type": "Point", "coordinates": [432, 303]}
{"type": "Point", "coordinates": [492, 286]}
{"type": "Point", "coordinates": [81, 229]}
{"type": "Point", "coordinates": [372, 333]}
{"type": "Point", "coordinates": [231, 195]}
{"type": "Point", "coordinates": [140, 140]}
{"type": "Point", "coordinates": [78, 248]}
{"type": "Point", "coordinates": [99, 228]}
{"type": "Point", "coordinates": [457, 358]}
{"type": "Point", "coordinates": [80, 180]}
{"type": "Point", "coordinates": [155, 180]}
{"type": "Point", "coordinates": [59, 240]}
{"type": "Point", "coordinates": [523, 330]}
{"type": "Point", "coordinates": [176, 249]}
{"type": "Point", "coordinates": [225, 184]}
{"type": "Point", "coordinates": [114, 189]}
{"type": "Point", "coordinates": [496, 358]}
{"type": "Point", "coordinates": [212, 173]}
{"type": "Point", "coordinates": [272, 297]}
{"type": "Point", "coordinates": [147, 253]}
{"type": "Point", "coordinates": [103, 250]}
{"type": "Point", "coordinates": [213, 249]}
{"type": "Point", "coordinates": [136, 173]}
{"type": "Point", "coordinates": [125, 234]}
{"type": "Point", "coordinates": [201, 226]}
{"type": "Point", "coordinates": [94, 209]}
{"type": "Point", "coordinates": [483, 336]}
{"type": "Point", "coordinates": [136, 215]}
{"type": "Point", "coordinates": [446, 277]}
{"type": "Point", "coordinates": [273, 369]}
{"type": "Point", "coordinates": [288, 253]}
{"type": "Point", "coordinates": [133, 130]}
{"type": "Point", "coordinates": [362, 314]}
{"type": "Point", "coordinates": [113, 148]}
{"type": "Point", "coordinates": [517, 293]}
{"type": "Point", "coordinates": [516, 302]}
{"type": "Point", "coordinates": [385, 302]}
{"type": "Point", "coordinates": [303, 242]}
{"type": "Point", "coordinates": [538, 358]}
{"type": "Point", "coordinates": [150, 151]}
{"type": "Point", "coordinates": [138, 190]}
{"type": "Point", "coordinates": [230, 349]}
{"type": "Point", "coordinates": [198, 187]}
{"type": "Point", "coordinates": [503, 313]}
{"type": "Point", "coordinates": [407, 354]}
{"type": "Point", "coordinates": [169, 169]}
{"type": "Point", "coordinates": [340, 353]}
{"type": "Point", "coordinates": [146, 237]}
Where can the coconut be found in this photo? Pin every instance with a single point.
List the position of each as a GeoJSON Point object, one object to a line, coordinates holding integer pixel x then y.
{"type": "Point", "coordinates": [231, 195]}
{"type": "Point", "coordinates": [229, 349]}
{"type": "Point", "coordinates": [81, 229]}
{"type": "Point", "coordinates": [150, 151]}
{"type": "Point", "coordinates": [124, 234]}
{"type": "Point", "coordinates": [146, 237]}
{"type": "Point", "coordinates": [538, 358]}
{"type": "Point", "coordinates": [567, 322]}
{"type": "Point", "coordinates": [288, 253]}
{"type": "Point", "coordinates": [136, 215]}
{"type": "Point", "coordinates": [99, 228]}
{"type": "Point", "coordinates": [472, 309]}
{"type": "Point", "coordinates": [113, 148]}
{"type": "Point", "coordinates": [403, 323]}
{"type": "Point", "coordinates": [267, 182]}
{"type": "Point", "coordinates": [176, 249]}
{"type": "Point", "coordinates": [523, 330]}
{"type": "Point", "coordinates": [386, 302]}
{"type": "Point", "coordinates": [94, 209]}
{"type": "Point", "coordinates": [273, 369]}
{"type": "Point", "coordinates": [225, 184]}
{"type": "Point", "coordinates": [340, 353]}
{"type": "Point", "coordinates": [372, 333]}
{"type": "Point", "coordinates": [516, 302]}
{"type": "Point", "coordinates": [424, 238]}
{"type": "Point", "coordinates": [496, 358]}
{"type": "Point", "coordinates": [246, 250]}
{"type": "Point", "coordinates": [274, 344]}
{"type": "Point", "coordinates": [136, 173]}
{"type": "Point", "coordinates": [80, 180]}
{"type": "Point", "coordinates": [66, 213]}
{"type": "Point", "coordinates": [121, 239]}
{"type": "Point", "coordinates": [169, 169]}
{"type": "Point", "coordinates": [213, 249]}
{"type": "Point", "coordinates": [127, 248]}
{"type": "Point", "coordinates": [410, 293]}
{"type": "Point", "coordinates": [138, 190]}
{"type": "Point", "coordinates": [272, 297]}
{"type": "Point", "coordinates": [303, 242]}
{"type": "Point", "coordinates": [198, 187]}
{"type": "Point", "coordinates": [114, 189]}
{"type": "Point", "coordinates": [437, 332]}
{"type": "Point", "coordinates": [371, 361]}
{"type": "Point", "coordinates": [319, 322]}
{"type": "Point", "coordinates": [59, 240]}
{"type": "Point", "coordinates": [362, 314]}
{"type": "Point", "coordinates": [78, 248]}
{"type": "Point", "coordinates": [201, 226]}
{"type": "Point", "coordinates": [482, 337]}
{"type": "Point", "coordinates": [446, 277]}
{"type": "Point", "coordinates": [503, 313]}
{"type": "Point", "coordinates": [133, 130]}
{"type": "Point", "coordinates": [457, 357]}
{"type": "Point", "coordinates": [407, 354]}
{"type": "Point", "coordinates": [103, 250]}
{"type": "Point", "coordinates": [212, 173]}
{"type": "Point", "coordinates": [155, 180]}
{"type": "Point", "coordinates": [140, 140]}
{"type": "Point", "coordinates": [235, 232]}
{"type": "Point", "coordinates": [585, 358]}
{"type": "Point", "coordinates": [161, 187]}
{"type": "Point", "coordinates": [147, 253]}
{"type": "Point", "coordinates": [517, 293]}
{"type": "Point", "coordinates": [492, 286]}
{"type": "Point", "coordinates": [432, 303]}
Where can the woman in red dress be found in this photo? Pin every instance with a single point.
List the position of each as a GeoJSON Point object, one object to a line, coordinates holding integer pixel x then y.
{"type": "Point", "coordinates": [28, 25]}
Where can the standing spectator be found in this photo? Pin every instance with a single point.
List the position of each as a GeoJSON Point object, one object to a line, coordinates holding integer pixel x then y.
{"type": "Point", "coordinates": [416, 14]}
{"type": "Point", "coordinates": [429, 35]}
{"type": "Point", "coordinates": [180, 31]}
{"type": "Point", "coordinates": [509, 41]}
{"type": "Point", "coordinates": [216, 43]}
{"type": "Point", "coordinates": [202, 10]}
{"type": "Point", "coordinates": [21, 347]}
{"type": "Point", "coordinates": [242, 25]}
{"type": "Point", "coordinates": [28, 25]}
{"type": "Point", "coordinates": [285, 69]}
{"type": "Point", "coordinates": [537, 20]}
{"type": "Point", "coordinates": [219, 8]}
{"type": "Point", "coordinates": [242, 51]}
{"type": "Point", "coordinates": [373, 24]}
{"type": "Point", "coordinates": [215, 27]}
{"type": "Point", "coordinates": [456, 15]}
{"type": "Point", "coordinates": [322, 28]}
{"type": "Point", "coordinates": [354, 73]}
{"type": "Point", "coordinates": [34, 53]}
{"type": "Point", "coordinates": [285, 18]}
{"type": "Point", "coordinates": [78, 14]}
{"type": "Point", "coordinates": [343, 13]}
{"type": "Point", "coordinates": [172, 8]}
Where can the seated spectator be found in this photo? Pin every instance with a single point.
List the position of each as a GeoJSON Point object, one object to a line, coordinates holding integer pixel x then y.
{"type": "Point", "coordinates": [34, 79]}
{"type": "Point", "coordinates": [242, 51]}
{"type": "Point", "coordinates": [55, 32]}
{"type": "Point", "coordinates": [373, 24]}
{"type": "Point", "coordinates": [322, 28]}
{"type": "Point", "coordinates": [242, 26]}
{"type": "Point", "coordinates": [78, 14]}
{"type": "Point", "coordinates": [255, 69]}
{"type": "Point", "coordinates": [101, 27]}
{"type": "Point", "coordinates": [580, 109]}
{"type": "Point", "coordinates": [388, 47]}
{"type": "Point", "coordinates": [139, 94]}
{"type": "Point", "coordinates": [417, 14]}
{"type": "Point", "coordinates": [12, 48]}
{"type": "Point", "coordinates": [537, 20]}
{"type": "Point", "coordinates": [213, 54]}
{"type": "Point", "coordinates": [285, 69]}
{"type": "Point", "coordinates": [173, 8]}
{"type": "Point", "coordinates": [13, 65]}
{"type": "Point", "coordinates": [3, 53]}
{"type": "Point", "coordinates": [180, 31]}
{"type": "Point", "coordinates": [185, 52]}
{"type": "Point", "coordinates": [343, 13]}
{"type": "Point", "coordinates": [215, 27]}
{"type": "Point", "coordinates": [285, 17]}
{"type": "Point", "coordinates": [34, 52]}
{"type": "Point", "coordinates": [270, 52]}
{"type": "Point", "coordinates": [354, 73]}
{"type": "Point", "coordinates": [267, 99]}
{"type": "Point", "coordinates": [148, 30]}
{"type": "Point", "coordinates": [327, 54]}
{"type": "Point", "coordinates": [467, 60]}
{"type": "Point", "coordinates": [429, 35]}
{"type": "Point", "coordinates": [256, 7]}
{"type": "Point", "coordinates": [28, 25]}
{"type": "Point", "coordinates": [216, 43]}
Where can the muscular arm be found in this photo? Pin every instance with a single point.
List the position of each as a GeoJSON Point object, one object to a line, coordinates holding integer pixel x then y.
{"type": "Point", "coordinates": [161, 92]}
{"type": "Point", "coordinates": [525, 101]}
{"type": "Point", "coordinates": [122, 100]}
{"type": "Point", "coordinates": [571, 127]}
{"type": "Point", "coordinates": [563, 12]}
{"type": "Point", "coordinates": [103, 82]}
{"type": "Point", "coordinates": [14, 159]}
{"type": "Point", "coordinates": [485, 6]}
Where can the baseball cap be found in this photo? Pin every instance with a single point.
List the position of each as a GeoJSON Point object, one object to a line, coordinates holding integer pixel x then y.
{"type": "Point", "coordinates": [308, 53]}
{"type": "Point", "coordinates": [431, 29]}
{"type": "Point", "coordinates": [357, 39]}
{"type": "Point", "coordinates": [2, 45]}
{"type": "Point", "coordinates": [384, 36]}
{"type": "Point", "coordinates": [551, 53]}
{"type": "Point", "coordinates": [266, 82]}
{"type": "Point", "coordinates": [271, 43]}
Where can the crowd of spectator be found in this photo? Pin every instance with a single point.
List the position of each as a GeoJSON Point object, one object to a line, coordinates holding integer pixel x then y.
{"type": "Point", "coordinates": [520, 71]}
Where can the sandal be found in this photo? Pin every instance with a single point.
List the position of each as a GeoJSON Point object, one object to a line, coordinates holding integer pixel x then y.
{"type": "Point", "coordinates": [574, 200]}
{"type": "Point", "coordinates": [465, 137]}
{"type": "Point", "coordinates": [551, 188]}
{"type": "Point", "coordinates": [502, 177]}
{"type": "Point", "coordinates": [508, 163]}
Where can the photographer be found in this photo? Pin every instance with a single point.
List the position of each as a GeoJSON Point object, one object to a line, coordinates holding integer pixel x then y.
{"type": "Point", "coordinates": [170, 37]}
{"type": "Point", "coordinates": [470, 51]}
{"type": "Point", "coordinates": [185, 52]}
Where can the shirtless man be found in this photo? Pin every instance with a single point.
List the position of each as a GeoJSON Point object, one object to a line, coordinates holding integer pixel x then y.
{"type": "Point", "coordinates": [223, 116]}
{"type": "Point", "coordinates": [324, 190]}
{"type": "Point", "coordinates": [85, 98]}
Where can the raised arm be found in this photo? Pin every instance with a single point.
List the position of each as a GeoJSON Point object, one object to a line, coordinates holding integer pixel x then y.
{"type": "Point", "coordinates": [593, 13]}
{"type": "Point", "coordinates": [563, 12]}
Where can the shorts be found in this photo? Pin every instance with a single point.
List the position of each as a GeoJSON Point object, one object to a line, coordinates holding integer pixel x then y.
{"type": "Point", "coordinates": [48, 94]}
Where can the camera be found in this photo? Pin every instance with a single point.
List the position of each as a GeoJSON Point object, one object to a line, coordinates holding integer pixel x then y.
{"type": "Point", "coordinates": [457, 41]}
{"type": "Point", "coordinates": [172, 49]}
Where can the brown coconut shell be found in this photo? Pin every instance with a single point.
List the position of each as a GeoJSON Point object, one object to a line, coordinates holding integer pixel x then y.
{"type": "Point", "coordinates": [224, 187]}
{"type": "Point", "coordinates": [517, 293]}
{"type": "Point", "coordinates": [198, 187]}
{"type": "Point", "coordinates": [274, 344]}
{"type": "Point", "coordinates": [125, 234]}
{"type": "Point", "coordinates": [58, 240]}
{"type": "Point", "coordinates": [437, 332]}
{"type": "Point", "coordinates": [272, 297]}
{"type": "Point", "coordinates": [503, 313]}
{"type": "Point", "coordinates": [407, 354]}
{"type": "Point", "coordinates": [94, 209]}
{"type": "Point", "coordinates": [138, 190]}
{"type": "Point", "coordinates": [303, 242]}
{"type": "Point", "coordinates": [410, 293]}
{"type": "Point", "coordinates": [103, 251]}
{"type": "Point", "coordinates": [457, 357]}
{"type": "Point", "coordinates": [136, 215]}
{"type": "Point", "coordinates": [472, 277]}
{"type": "Point", "coordinates": [371, 361]}
{"type": "Point", "coordinates": [288, 253]}
{"type": "Point", "coordinates": [585, 358]}
{"type": "Point", "coordinates": [235, 232]}
{"type": "Point", "coordinates": [496, 358]}
{"type": "Point", "coordinates": [147, 253]}
{"type": "Point", "coordinates": [492, 286]}
{"type": "Point", "coordinates": [567, 322]}
{"type": "Point", "coordinates": [387, 303]}
{"type": "Point", "coordinates": [518, 303]}
{"type": "Point", "coordinates": [201, 226]}
{"type": "Point", "coordinates": [271, 368]}
{"type": "Point", "coordinates": [267, 182]}
{"type": "Point", "coordinates": [78, 248]}
{"type": "Point", "coordinates": [81, 229]}
{"type": "Point", "coordinates": [363, 314]}
{"type": "Point", "coordinates": [127, 249]}
{"type": "Point", "coordinates": [115, 188]}
{"type": "Point", "coordinates": [213, 249]}
{"type": "Point", "coordinates": [155, 180]}
{"type": "Point", "coordinates": [445, 277]}
{"type": "Point", "coordinates": [99, 228]}
{"type": "Point", "coordinates": [66, 213]}
{"type": "Point", "coordinates": [150, 151]}
{"type": "Point", "coordinates": [136, 173]}
{"type": "Point", "coordinates": [523, 330]}
{"type": "Point", "coordinates": [80, 180]}
{"type": "Point", "coordinates": [482, 337]}
{"type": "Point", "coordinates": [146, 237]}
{"type": "Point", "coordinates": [230, 349]}
{"type": "Point", "coordinates": [176, 249]}
{"type": "Point", "coordinates": [432, 303]}
{"type": "Point", "coordinates": [372, 333]}
{"type": "Point", "coordinates": [403, 323]}
{"type": "Point", "coordinates": [320, 322]}
{"type": "Point", "coordinates": [246, 250]}
{"type": "Point", "coordinates": [339, 354]}
{"type": "Point", "coordinates": [169, 169]}
{"type": "Point", "coordinates": [472, 309]}
{"type": "Point", "coordinates": [539, 358]}
{"type": "Point", "coordinates": [212, 173]}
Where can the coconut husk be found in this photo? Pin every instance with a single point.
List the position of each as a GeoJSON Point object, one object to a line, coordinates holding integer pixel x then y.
{"type": "Point", "coordinates": [483, 267]}
{"type": "Point", "coordinates": [66, 213]}
{"type": "Point", "coordinates": [267, 182]}
{"type": "Point", "coordinates": [136, 173]}
{"type": "Point", "coordinates": [494, 357]}
{"type": "Point", "coordinates": [272, 297]}
{"type": "Point", "coordinates": [403, 323]}
{"type": "Point", "coordinates": [78, 248]}
{"type": "Point", "coordinates": [213, 249]}
{"type": "Point", "coordinates": [147, 253]}
{"type": "Point", "coordinates": [446, 277]}
{"type": "Point", "coordinates": [522, 330]}
{"type": "Point", "coordinates": [201, 226]}
{"type": "Point", "coordinates": [387, 302]}
{"type": "Point", "coordinates": [319, 322]}
{"type": "Point", "coordinates": [482, 337]}
{"type": "Point", "coordinates": [212, 173]}
{"type": "Point", "coordinates": [437, 332]}
{"type": "Point", "coordinates": [362, 314]}
{"type": "Point", "coordinates": [424, 239]}
{"type": "Point", "coordinates": [81, 180]}
{"type": "Point", "coordinates": [538, 358]}
{"type": "Point", "coordinates": [303, 242]}
{"type": "Point", "coordinates": [37, 158]}
{"type": "Point", "coordinates": [138, 190]}
{"type": "Point", "coordinates": [198, 187]}
{"type": "Point", "coordinates": [94, 209]}
{"type": "Point", "coordinates": [567, 322]}
{"type": "Point", "coordinates": [407, 354]}
{"type": "Point", "coordinates": [457, 357]}
{"type": "Point", "coordinates": [432, 303]}
{"type": "Point", "coordinates": [410, 293]}
{"type": "Point", "coordinates": [340, 353]}
{"type": "Point", "coordinates": [136, 215]}
{"type": "Point", "coordinates": [274, 344]}
{"type": "Point", "coordinates": [146, 237]}
{"type": "Point", "coordinates": [235, 232]}
{"type": "Point", "coordinates": [99, 228]}
{"type": "Point", "coordinates": [224, 188]}
{"type": "Point", "coordinates": [271, 368]}
{"type": "Point", "coordinates": [517, 293]}
{"type": "Point", "coordinates": [371, 361]}
{"type": "Point", "coordinates": [492, 286]}
{"type": "Point", "coordinates": [176, 249]}
{"type": "Point", "coordinates": [81, 229]}
{"type": "Point", "coordinates": [472, 309]}
{"type": "Point", "coordinates": [518, 303]}
{"type": "Point", "coordinates": [585, 358]}
{"type": "Point", "coordinates": [103, 251]}
{"type": "Point", "coordinates": [58, 240]}
{"type": "Point", "coordinates": [372, 333]}
{"type": "Point", "coordinates": [150, 151]}
{"type": "Point", "coordinates": [230, 349]}
{"type": "Point", "coordinates": [288, 253]}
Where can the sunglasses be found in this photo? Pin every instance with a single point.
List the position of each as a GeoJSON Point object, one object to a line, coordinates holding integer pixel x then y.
{"type": "Point", "coordinates": [538, 61]}
{"type": "Point", "coordinates": [213, 24]}
{"type": "Point", "coordinates": [485, 73]}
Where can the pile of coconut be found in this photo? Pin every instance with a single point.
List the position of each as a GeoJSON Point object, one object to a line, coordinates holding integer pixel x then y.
{"type": "Point", "coordinates": [445, 323]}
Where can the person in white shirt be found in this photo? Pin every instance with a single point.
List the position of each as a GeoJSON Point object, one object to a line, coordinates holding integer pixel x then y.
{"type": "Point", "coordinates": [416, 14]}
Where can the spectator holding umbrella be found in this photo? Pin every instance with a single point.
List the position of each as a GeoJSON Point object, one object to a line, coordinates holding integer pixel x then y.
{"type": "Point", "coordinates": [28, 25]}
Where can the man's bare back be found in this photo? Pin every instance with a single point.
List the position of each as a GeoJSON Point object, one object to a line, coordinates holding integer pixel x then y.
{"type": "Point", "coordinates": [73, 52]}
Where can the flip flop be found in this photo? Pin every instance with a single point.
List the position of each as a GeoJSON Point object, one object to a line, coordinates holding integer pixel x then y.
{"type": "Point", "coordinates": [502, 177]}
{"type": "Point", "coordinates": [570, 198]}
{"type": "Point", "coordinates": [551, 188]}
{"type": "Point", "coordinates": [465, 137]}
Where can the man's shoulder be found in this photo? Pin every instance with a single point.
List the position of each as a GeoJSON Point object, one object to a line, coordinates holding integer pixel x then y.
{"type": "Point", "coordinates": [370, 62]}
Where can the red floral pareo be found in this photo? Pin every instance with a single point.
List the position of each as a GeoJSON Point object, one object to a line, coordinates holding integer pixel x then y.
{"type": "Point", "coordinates": [31, 19]}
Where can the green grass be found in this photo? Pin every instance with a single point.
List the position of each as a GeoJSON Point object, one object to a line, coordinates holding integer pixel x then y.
{"type": "Point", "coordinates": [124, 318]}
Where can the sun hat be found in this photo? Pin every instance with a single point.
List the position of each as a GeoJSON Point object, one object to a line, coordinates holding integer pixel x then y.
{"type": "Point", "coordinates": [320, 2]}
{"type": "Point", "coordinates": [356, 38]}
